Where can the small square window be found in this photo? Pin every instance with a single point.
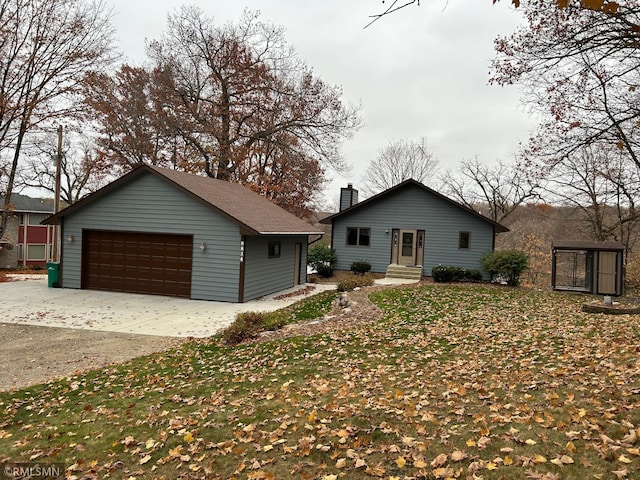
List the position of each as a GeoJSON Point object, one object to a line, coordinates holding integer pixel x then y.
{"type": "Point", "coordinates": [274, 249]}
{"type": "Point", "coordinates": [464, 240]}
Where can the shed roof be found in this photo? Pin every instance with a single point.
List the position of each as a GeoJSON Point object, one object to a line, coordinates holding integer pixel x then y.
{"type": "Point", "coordinates": [587, 245]}
{"type": "Point", "coordinates": [254, 213]}
{"type": "Point", "coordinates": [381, 196]}
{"type": "Point", "coordinates": [26, 204]}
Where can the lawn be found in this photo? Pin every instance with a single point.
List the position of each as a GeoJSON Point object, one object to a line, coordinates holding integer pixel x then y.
{"type": "Point", "coordinates": [470, 382]}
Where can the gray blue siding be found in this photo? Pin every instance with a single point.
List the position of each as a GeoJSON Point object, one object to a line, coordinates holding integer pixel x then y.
{"type": "Point", "coordinates": [413, 208]}
{"type": "Point", "coordinates": [149, 204]}
{"type": "Point", "coordinates": [264, 275]}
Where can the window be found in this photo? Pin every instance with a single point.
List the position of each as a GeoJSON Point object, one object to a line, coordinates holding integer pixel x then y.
{"type": "Point", "coordinates": [36, 218]}
{"type": "Point", "coordinates": [36, 252]}
{"type": "Point", "coordinates": [20, 251]}
{"type": "Point", "coordinates": [274, 249]}
{"type": "Point", "coordinates": [22, 219]}
{"type": "Point", "coordinates": [463, 240]}
{"type": "Point", "coordinates": [358, 237]}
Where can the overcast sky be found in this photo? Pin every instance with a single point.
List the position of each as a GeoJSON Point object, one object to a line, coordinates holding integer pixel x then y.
{"type": "Point", "coordinates": [421, 72]}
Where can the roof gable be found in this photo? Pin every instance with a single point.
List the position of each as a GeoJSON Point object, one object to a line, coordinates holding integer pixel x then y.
{"type": "Point", "coordinates": [380, 197]}
{"type": "Point", "coordinates": [254, 213]}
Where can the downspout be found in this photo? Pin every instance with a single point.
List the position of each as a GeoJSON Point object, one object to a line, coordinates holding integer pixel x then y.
{"type": "Point", "coordinates": [316, 240]}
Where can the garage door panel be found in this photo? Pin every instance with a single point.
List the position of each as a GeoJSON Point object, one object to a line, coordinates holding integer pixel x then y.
{"type": "Point", "coordinates": [137, 262]}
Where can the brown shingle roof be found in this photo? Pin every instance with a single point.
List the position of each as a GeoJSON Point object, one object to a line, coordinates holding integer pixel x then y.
{"type": "Point", "coordinates": [239, 203]}
{"type": "Point", "coordinates": [252, 211]}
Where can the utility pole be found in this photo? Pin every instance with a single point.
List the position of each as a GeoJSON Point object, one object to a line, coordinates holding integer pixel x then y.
{"type": "Point", "coordinates": [56, 199]}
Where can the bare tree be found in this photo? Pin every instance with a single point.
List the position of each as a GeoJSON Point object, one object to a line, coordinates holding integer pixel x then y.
{"type": "Point", "coordinates": [499, 189]}
{"type": "Point", "coordinates": [600, 185]}
{"type": "Point", "coordinates": [391, 7]}
{"type": "Point", "coordinates": [83, 169]}
{"type": "Point", "coordinates": [400, 160]}
{"type": "Point", "coordinates": [578, 67]}
{"type": "Point", "coordinates": [46, 47]}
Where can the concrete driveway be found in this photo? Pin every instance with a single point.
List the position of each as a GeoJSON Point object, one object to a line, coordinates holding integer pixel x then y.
{"type": "Point", "coordinates": [30, 302]}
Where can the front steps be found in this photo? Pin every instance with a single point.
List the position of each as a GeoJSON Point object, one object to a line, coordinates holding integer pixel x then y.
{"type": "Point", "coordinates": [401, 271]}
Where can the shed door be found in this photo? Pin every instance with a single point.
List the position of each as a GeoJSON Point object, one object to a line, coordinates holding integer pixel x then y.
{"type": "Point", "coordinates": [135, 262]}
{"type": "Point", "coordinates": [607, 273]}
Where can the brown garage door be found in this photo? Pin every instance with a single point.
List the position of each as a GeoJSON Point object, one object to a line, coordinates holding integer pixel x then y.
{"type": "Point", "coordinates": [135, 262]}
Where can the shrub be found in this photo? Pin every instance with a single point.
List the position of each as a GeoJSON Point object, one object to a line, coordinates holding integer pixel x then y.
{"type": "Point", "coordinates": [360, 267]}
{"type": "Point", "coordinates": [506, 265]}
{"type": "Point", "coordinates": [322, 258]}
{"type": "Point", "coordinates": [473, 275]}
{"type": "Point", "coordinates": [247, 325]}
{"type": "Point", "coordinates": [353, 281]}
{"type": "Point", "coordinates": [275, 320]}
{"type": "Point", "coordinates": [442, 274]}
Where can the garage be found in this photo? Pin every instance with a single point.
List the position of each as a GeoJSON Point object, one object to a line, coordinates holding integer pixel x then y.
{"type": "Point", "coordinates": [137, 262]}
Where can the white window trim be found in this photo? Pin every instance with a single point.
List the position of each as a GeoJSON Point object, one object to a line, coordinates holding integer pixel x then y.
{"type": "Point", "coordinates": [29, 259]}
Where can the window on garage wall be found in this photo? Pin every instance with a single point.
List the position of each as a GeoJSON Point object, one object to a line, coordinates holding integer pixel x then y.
{"type": "Point", "coordinates": [464, 240]}
{"type": "Point", "coordinates": [274, 249]}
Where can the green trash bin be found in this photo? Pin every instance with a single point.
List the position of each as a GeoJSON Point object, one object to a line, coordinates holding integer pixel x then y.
{"type": "Point", "coordinates": [53, 273]}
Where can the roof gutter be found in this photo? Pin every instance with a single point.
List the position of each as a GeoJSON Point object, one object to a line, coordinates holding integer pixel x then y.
{"type": "Point", "coordinates": [316, 240]}
{"type": "Point", "coordinates": [291, 233]}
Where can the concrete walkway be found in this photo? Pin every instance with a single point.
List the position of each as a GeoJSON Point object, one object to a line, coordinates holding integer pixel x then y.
{"type": "Point", "coordinates": [29, 301]}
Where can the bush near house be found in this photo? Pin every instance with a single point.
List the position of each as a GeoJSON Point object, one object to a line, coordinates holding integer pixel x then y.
{"type": "Point", "coordinates": [353, 281]}
{"type": "Point", "coordinates": [360, 267]}
{"type": "Point", "coordinates": [505, 265]}
{"type": "Point", "coordinates": [448, 274]}
{"type": "Point", "coordinates": [322, 258]}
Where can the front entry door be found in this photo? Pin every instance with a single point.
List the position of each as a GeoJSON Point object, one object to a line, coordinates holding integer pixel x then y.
{"type": "Point", "coordinates": [407, 247]}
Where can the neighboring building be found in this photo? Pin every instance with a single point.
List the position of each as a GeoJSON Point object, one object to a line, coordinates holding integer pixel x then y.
{"type": "Point", "coordinates": [26, 242]}
{"type": "Point", "coordinates": [158, 231]}
{"type": "Point", "coordinates": [409, 225]}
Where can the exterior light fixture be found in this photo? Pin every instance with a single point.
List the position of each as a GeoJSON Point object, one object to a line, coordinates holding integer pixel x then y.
{"type": "Point", "coordinates": [203, 246]}
{"type": "Point", "coordinates": [70, 238]}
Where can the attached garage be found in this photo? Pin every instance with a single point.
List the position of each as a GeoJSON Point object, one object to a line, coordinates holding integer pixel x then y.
{"type": "Point", "coordinates": [137, 262]}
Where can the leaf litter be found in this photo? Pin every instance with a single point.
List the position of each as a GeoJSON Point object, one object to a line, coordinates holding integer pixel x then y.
{"type": "Point", "coordinates": [470, 382]}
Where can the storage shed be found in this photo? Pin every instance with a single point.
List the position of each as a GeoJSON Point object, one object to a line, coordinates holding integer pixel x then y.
{"type": "Point", "coordinates": [589, 267]}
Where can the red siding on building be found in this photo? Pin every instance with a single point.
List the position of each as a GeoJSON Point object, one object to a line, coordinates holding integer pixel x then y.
{"type": "Point", "coordinates": [34, 235]}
